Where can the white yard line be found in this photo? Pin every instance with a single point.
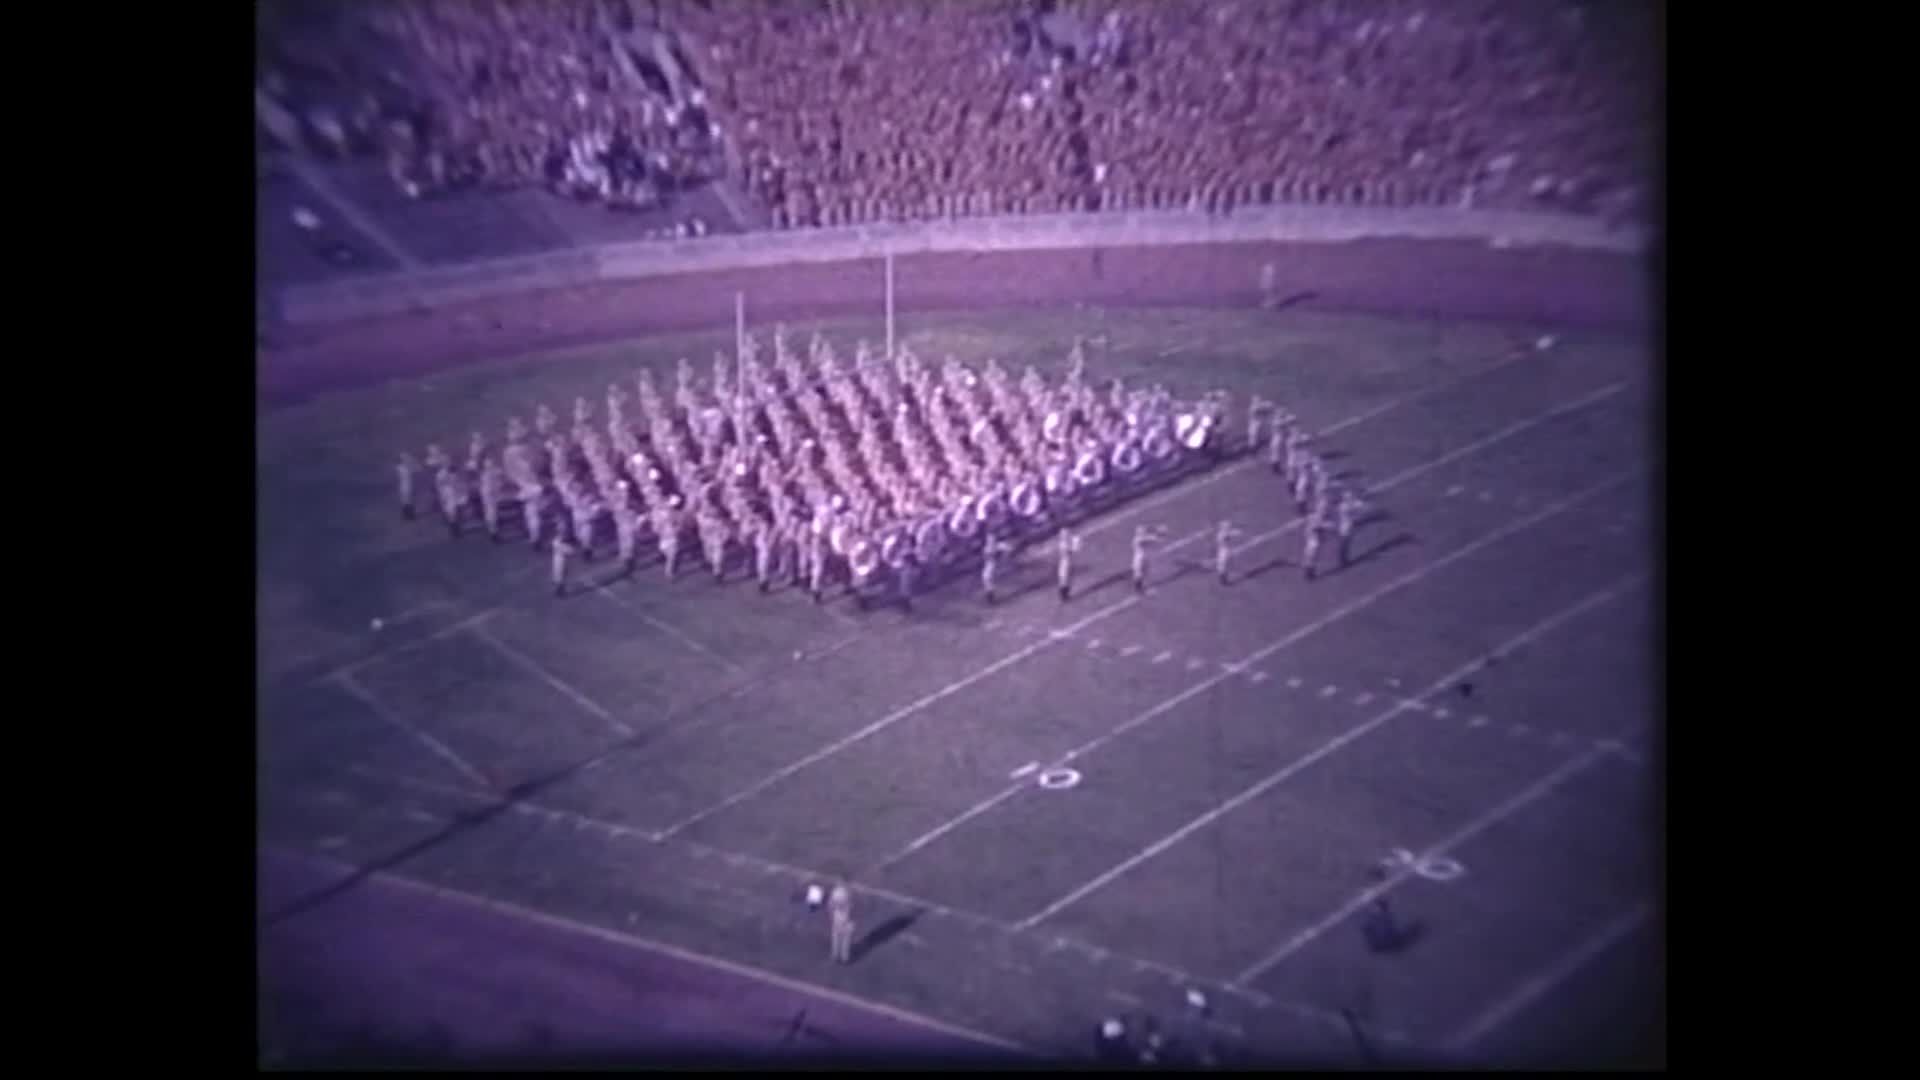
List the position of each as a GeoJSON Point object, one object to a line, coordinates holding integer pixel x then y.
{"type": "Point", "coordinates": [1467, 832]}
{"type": "Point", "coordinates": [1334, 744]}
{"type": "Point", "coordinates": [554, 681]}
{"type": "Point", "coordinates": [1251, 659]}
{"type": "Point", "coordinates": [670, 631]}
{"type": "Point", "coordinates": [442, 750]}
{"type": "Point", "coordinates": [1540, 985]}
{"type": "Point", "coordinates": [896, 716]}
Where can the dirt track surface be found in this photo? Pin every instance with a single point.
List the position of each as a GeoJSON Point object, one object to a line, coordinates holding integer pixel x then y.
{"type": "Point", "coordinates": [1457, 279]}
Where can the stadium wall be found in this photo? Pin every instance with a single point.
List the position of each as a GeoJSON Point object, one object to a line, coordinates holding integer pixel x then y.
{"type": "Point", "coordinates": [395, 293]}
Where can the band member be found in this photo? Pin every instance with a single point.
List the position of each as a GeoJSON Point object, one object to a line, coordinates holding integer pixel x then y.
{"type": "Point", "coordinates": [1258, 410]}
{"type": "Point", "coordinates": [1346, 518]}
{"type": "Point", "coordinates": [543, 421]}
{"type": "Point", "coordinates": [990, 564]}
{"type": "Point", "coordinates": [1314, 532]}
{"type": "Point", "coordinates": [530, 497]}
{"type": "Point", "coordinates": [476, 451]}
{"type": "Point", "coordinates": [561, 550]}
{"type": "Point", "coordinates": [491, 489]}
{"type": "Point", "coordinates": [1143, 538]}
{"type": "Point", "coordinates": [817, 564]}
{"type": "Point", "coordinates": [1276, 448]}
{"type": "Point", "coordinates": [1068, 544]}
{"type": "Point", "coordinates": [451, 496]}
{"type": "Point", "coordinates": [667, 525]}
{"type": "Point", "coordinates": [404, 471]}
{"type": "Point", "coordinates": [908, 567]}
{"type": "Point", "coordinates": [1223, 537]}
{"type": "Point", "coordinates": [763, 540]}
{"type": "Point", "coordinates": [840, 912]}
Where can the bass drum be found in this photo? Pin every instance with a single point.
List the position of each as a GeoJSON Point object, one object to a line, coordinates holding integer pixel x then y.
{"type": "Point", "coordinates": [1090, 470]}
{"type": "Point", "coordinates": [929, 539]}
{"type": "Point", "coordinates": [1127, 458]}
{"type": "Point", "coordinates": [1027, 501]}
{"type": "Point", "coordinates": [963, 523]}
{"type": "Point", "coordinates": [896, 547]}
{"type": "Point", "coordinates": [992, 511]}
{"type": "Point", "coordinates": [1060, 482]}
{"type": "Point", "coordinates": [863, 558]}
{"type": "Point", "coordinates": [1158, 444]}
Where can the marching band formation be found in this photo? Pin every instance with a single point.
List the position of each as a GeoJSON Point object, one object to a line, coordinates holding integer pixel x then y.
{"type": "Point", "coordinates": [866, 475]}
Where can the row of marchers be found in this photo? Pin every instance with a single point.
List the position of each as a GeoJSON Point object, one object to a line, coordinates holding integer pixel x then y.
{"type": "Point", "coordinates": [864, 468]}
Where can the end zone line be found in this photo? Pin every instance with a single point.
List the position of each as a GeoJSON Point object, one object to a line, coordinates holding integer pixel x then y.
{"type": "Point", "coordinates": [1485, 821]}
{"type": "Point", "coordinates": [669, 630]}
{"type": "Point", "coordinates": [446, 753]}
{"type": "Point", "coordinates": [1341, 740]}
{"type": "Point", "coordinates": [630, 940]}
{"type": "Point", "coordinates": [554, 681]}
{"type": "Point", "coordinates": [1222, 473]}
{"type": "Point", "coordinates": [1533, 989]}
{"type": "Point", "coordinates": [896, 716]}
{"type": "Point", "coordinates": [1231, 671]}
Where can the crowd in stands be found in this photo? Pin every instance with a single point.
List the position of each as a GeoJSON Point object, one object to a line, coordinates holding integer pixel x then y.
{"type": "Point", "coordinates": [493, 94]}
{"type": "Point", "coordinates": [842, 111]}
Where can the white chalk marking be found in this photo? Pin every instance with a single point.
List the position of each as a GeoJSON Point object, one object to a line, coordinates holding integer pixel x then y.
{"type": "Point", "coordinates": [1442, 712]}
{"type": "Point", "coordinates": [1537, 987]}
{"type": "Point", "coordinates": [1293, 683]}
{"type": "Point", "coordinates": [1125, 998]}
{"type": "Point", "coordinates": [990, 623]}
{"type": "Point", "coordinates": [1486, 496]}
{"type": "Point", "coordinates": [746, 971]}
{"type": "Point", "coordinates": [1195, 664]}
{"type": "Point", "coordinates": [1338, 741]}
{"type": "Point", "coordinates": [1260, 676]}
{"type": "Point", "coordinates": [1163, 657]}
{"type": "Point", "coordinates": [889, 720]}
{"type": "Point", "coordinates": [670, 631]}
{"type": "Point", "coordinates": [1520, 729]}
{"type": "Point", "coordinates": [1093, 644]}
{"type": "Point", "coordinates": [1024, 770]}
{"type": "Point", "coordinates": [1470, 830]}
{"type": "Point", "coordinates": [1455, 490]}
{"type": "Point", "coordinates": [1329, 690]}
{"type": "Point", "coordinates": [1478, 721]}
{"type": "Point", "coordinates": [553, 680]}
{"type": "Point", "coordinates": [442, 750]}
{"type": "Point", "coordinates": [1416, 706]}
{"type": "Point", "coordinates": [1130, 650]}
{"type": "Point", "coordinates": [1362, 698]}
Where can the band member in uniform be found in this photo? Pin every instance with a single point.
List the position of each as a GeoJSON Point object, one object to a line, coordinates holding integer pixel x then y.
{"type": "Point", "coordinates": [1276, 448]}
{"type": "Point", "coordinates": [1223, 537]}
{"type": "Point", "coordinates": [490, 491]}
{"type": "Point", "coordinates": [451, 496]}
{"type": "Point", "coordinates": [561, 550]}
{"type": "Point", "coordinates": [1315, 530]}
{"type": "Point", "coordinates": [1258, 410]}
{"type": "Point", "coordinates": [1347, 517]}
{"type": "Point", "coordinates": [908, 567]}
{"type": "Point", "coordinates": [763, 555]}
{"type": "Point", "coordinates": [404, 471]}
{"type": "Point", "coordinates": [1143, 537]}
{"type": "Point", "coordinates": [530, 498]}
{"type": "Point", "coordinates": [990, 564]}
{"type": "Point", "coordinates": [1068, 544]}
{"type": "Point", "coordinates": [840, 911]}
{"type": "Point", "coordinates": [816, 564]}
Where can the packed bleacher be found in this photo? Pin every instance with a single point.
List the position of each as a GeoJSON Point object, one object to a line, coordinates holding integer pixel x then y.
{"type": "Point", "coordinates": [835, 111]}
